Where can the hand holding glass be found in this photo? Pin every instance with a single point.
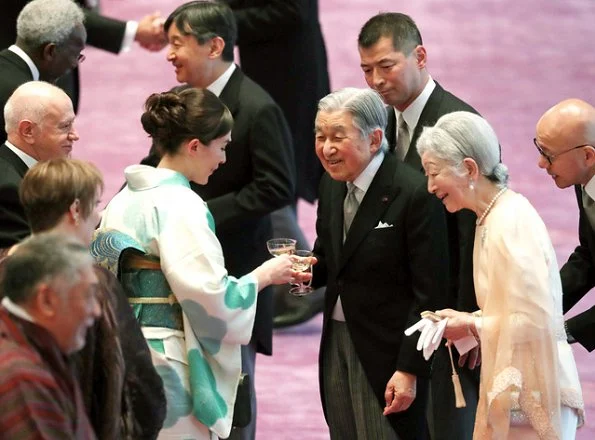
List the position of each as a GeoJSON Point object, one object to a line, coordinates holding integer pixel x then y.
{"type": "Point", "coordinates": [302, 262]}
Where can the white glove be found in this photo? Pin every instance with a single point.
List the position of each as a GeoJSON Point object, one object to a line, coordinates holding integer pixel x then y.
{"type": "Point", "coordinates": [430, 337]}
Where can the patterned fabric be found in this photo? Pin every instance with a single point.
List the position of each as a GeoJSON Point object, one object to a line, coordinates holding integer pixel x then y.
{"type": "Point", "coordinates": [199, 360]}
{"type": "Point", "coordinates": [39, 396]}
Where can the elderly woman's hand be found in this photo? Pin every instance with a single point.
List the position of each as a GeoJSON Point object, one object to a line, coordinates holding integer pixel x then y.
{"type": "Point", "coordinates": [459, 325]}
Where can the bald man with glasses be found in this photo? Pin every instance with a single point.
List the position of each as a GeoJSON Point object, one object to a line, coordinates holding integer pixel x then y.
{"type": "Point", "coordinates": [565, 140]}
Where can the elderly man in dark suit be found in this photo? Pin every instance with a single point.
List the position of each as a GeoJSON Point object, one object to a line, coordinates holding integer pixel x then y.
{"type": "Point", "coordinates": [258, 176]}
{"type": "Point", "coordinates": [379, 236]}
{"type": "Point", "coordinates": [51, 37]}
{"type": "Point", "coordinates": [565, 140]}
{"type": "Point", "coordinates": [40, 125]}
{"type": "Point", "coordinates": [393, 60]}
{"type": "Point", "coordinates": [103, 32]}
{"type": "Point", "coordinates": [275, 36]}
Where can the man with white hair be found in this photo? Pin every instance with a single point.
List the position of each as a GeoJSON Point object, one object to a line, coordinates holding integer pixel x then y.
{"type": "Point", "coordinates": [40, 125]}
{"type": "Point", "coordinates": [105, 33]}
{"type": "Point", "coordinates": [49, 304]}
{"type": "Point", "coordinates": [50, 38]}
{"type": "Point", "coordinates": [379, 236]}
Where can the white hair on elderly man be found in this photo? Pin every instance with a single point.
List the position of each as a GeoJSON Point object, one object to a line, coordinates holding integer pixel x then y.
{"type": "Point", "coordinates": [48, 21]}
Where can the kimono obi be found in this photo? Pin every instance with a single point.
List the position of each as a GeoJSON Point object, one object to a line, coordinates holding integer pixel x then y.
{"type": "Point", "coordinates": [151, 298]}
{"type": "Point", "coordinates": [146, 287]}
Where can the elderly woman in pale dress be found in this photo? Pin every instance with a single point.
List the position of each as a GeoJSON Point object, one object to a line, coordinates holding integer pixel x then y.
{"type": "Point", "coordinates": [529, 382]}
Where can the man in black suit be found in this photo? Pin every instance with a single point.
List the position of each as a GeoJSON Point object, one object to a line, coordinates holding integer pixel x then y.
{"type": "Point", "coordinates": [393, 60]}
{"type": "Point", "coordinates": [565, 140]}
{"type": "Point", "coordinates": [44, 55]}
{"type": "Point", "coordinates": [275, 36]}
{"type": "Point", "coordinates": [258, 176]}
{"type": "Point", "coordinates": [379, 236]}
{"type": "Point", "coordinates": [103, 32]}
{"type": "Point", "coordinates": [40, 125]}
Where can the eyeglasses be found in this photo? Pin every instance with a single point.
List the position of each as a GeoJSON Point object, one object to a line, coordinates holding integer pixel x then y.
{"type": "Point", "coordinates": [551, 157]}
{"type": "Point", "coordinates": [81, 58]}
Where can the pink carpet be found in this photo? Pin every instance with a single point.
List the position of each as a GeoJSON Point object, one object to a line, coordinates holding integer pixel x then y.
{"type": "Point", "coordinates": [510, 59]}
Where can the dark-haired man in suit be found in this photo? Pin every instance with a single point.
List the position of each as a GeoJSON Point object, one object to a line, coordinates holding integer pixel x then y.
{"type": "Point", "coordinates": [393, 60]}
{"type": "Point", "coordinates": [258, 176]}
{"type": "Point", "coordinates": [274, 36]}
{"type": "Point", "coordinates": [565, 140]}
{"type": "Point", "coordinates": [379, 237]}
{"type": "Point", "coordinates": [40, 126]}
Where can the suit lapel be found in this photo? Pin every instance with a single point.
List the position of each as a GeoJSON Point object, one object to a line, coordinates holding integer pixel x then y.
{"type": "Point", "coordinates": [338, 192]}
{"type": "Point", "coordinates": [428, 117]}
{"type": "Point", "coordinates": [391, 128]}
{"type": "Point", "coordinates": [231, 91]}
{"type": "Point", "coordinates": [378, 198]}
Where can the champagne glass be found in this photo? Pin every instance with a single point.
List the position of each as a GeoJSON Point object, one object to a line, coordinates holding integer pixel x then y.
{"type": "Point", "coordinates": [301, 263]}
{"type": "Point", "coordinates": [280, 246]}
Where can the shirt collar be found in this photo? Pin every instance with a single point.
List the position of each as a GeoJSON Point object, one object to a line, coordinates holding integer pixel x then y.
{"type": "Point", "coordinates": [590, 188]}
{"type": "Point", "coordinates": [219, 84]}
{"type": "Point", "coordinates": [16, 310]}
{"type": "Point", "coordinates": [412, 113]}
{"type": "Point", "coordinates": [364, 180]}
{"type": "Point", "coordinates": [27, 59]}
{"type": "Point", "coordinates": [29, 161]}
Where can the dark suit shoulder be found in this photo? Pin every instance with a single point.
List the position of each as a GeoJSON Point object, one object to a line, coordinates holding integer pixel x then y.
{"type": "Point", "coordinates": [448, 103]}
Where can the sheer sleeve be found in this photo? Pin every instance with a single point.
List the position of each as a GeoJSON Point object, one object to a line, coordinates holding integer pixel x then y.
{"type": "Point", "coordinates": [520, 361]}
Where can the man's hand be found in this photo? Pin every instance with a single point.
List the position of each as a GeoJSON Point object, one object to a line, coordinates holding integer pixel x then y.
{"type": "Point", "coordinates": [150, 34]}
{"type": "Point", "coordinates": [400, 392]}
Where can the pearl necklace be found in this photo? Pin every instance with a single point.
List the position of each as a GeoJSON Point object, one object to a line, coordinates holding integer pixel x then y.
{"type": "Point", "coordinates": [490, 206]}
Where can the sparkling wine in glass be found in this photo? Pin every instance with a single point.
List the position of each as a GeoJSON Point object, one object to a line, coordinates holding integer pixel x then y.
{"type": "Point", "coordinates": [281, 246]}
{"type": "Point", "coordinates": [301, 263]}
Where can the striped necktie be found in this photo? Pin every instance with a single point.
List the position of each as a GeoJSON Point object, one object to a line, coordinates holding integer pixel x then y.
{"type": "Point", "coordinates": [403, 138]}
{"type": "Point", "coordinates": [350, 205]}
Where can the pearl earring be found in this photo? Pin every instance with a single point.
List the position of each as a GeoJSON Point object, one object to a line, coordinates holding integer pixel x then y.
{"type": "Point", "coordinates": [471, 185]}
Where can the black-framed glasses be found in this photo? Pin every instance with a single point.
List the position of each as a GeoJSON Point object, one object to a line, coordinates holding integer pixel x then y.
{"type": "Point", "coordinates": [551, 157]}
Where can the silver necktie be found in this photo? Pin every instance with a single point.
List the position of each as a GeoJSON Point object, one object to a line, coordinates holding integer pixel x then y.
{"type": "Point", "coordinates": [403, 138]}
{"type": "Point", "coordinates": [350, 205]}
{"type": "Point", "coordinates": [589, 206]}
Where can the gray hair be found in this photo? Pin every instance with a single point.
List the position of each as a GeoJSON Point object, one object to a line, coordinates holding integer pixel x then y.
{"type": "Point", "coordinates": [49, 258]}
{"type": "Point", "coordinates": [48, 21]}
{"type": "Point", "coordinates": [365, 106]}
{"type": "Point", "coordinates": [29, 101]}
{"type": "Point", "coordinates": [460, 135]}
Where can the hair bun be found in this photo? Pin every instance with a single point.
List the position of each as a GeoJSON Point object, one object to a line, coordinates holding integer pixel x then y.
{"type": "Point", "coordinates": [163, 111]}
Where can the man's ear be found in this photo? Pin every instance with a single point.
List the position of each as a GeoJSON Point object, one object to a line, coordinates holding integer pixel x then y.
{"type": "Point", "coordinates": [589, 154]}
{"type": "Point", "coordinates": [217, 46]}
{"type": "Point", "coordinates": [46, 301]}
{"type": "Point", "coordinates": [26, 130]}
{"type": "Point", "coordinates": [375, 140]}
{"type": "Point", "coordinates": [421, 56]}
{"type": "Point", "coordinates": [49, 51]}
